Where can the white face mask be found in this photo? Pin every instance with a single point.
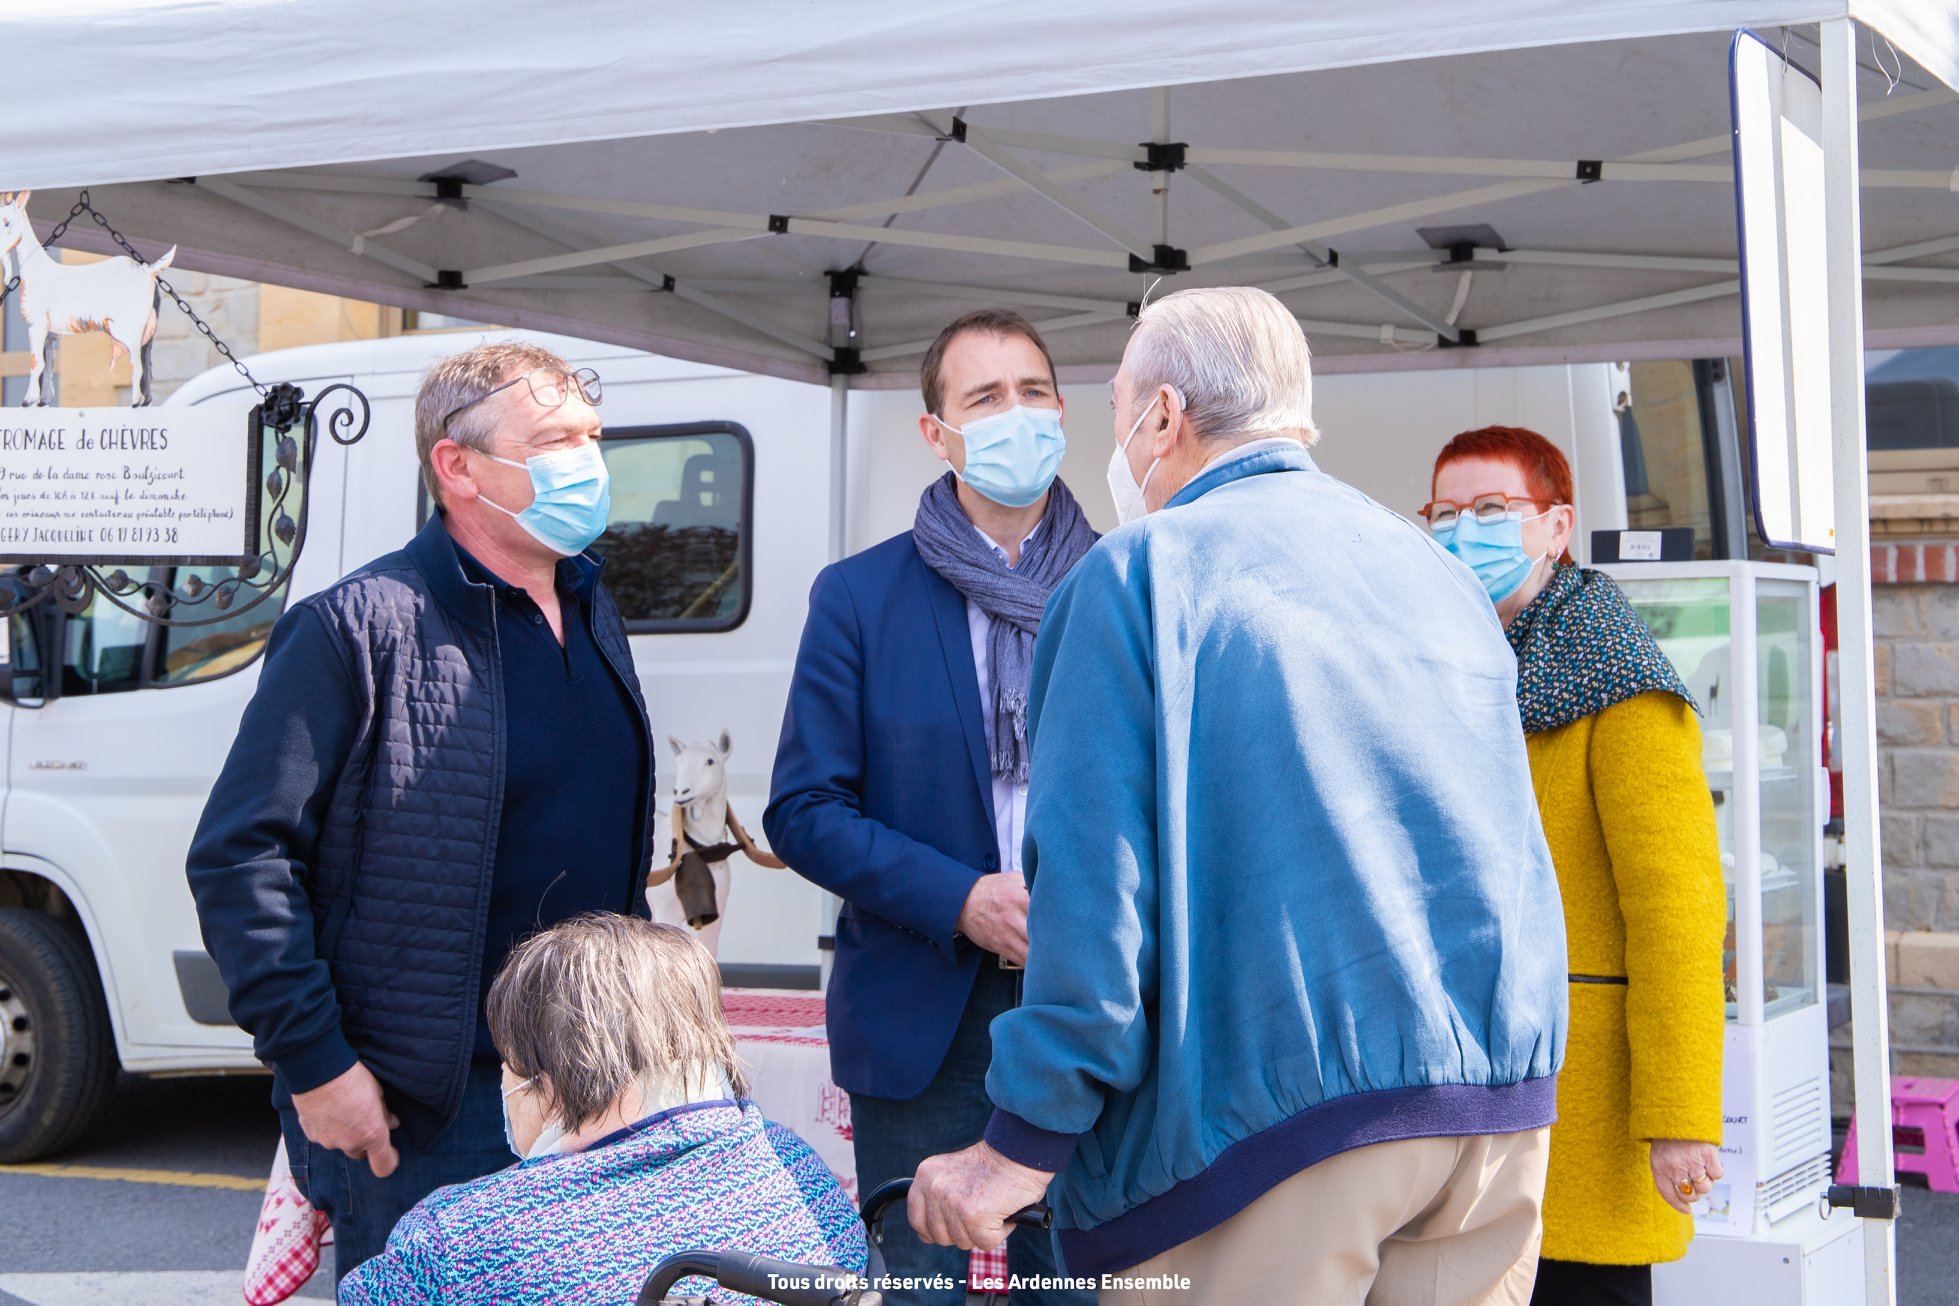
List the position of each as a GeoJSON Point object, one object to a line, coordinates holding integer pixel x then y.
{"type": "Point", "coordinates": [1122, 481]}
{"type": "Point", "coordinates": [707, 1085]}
{"type": "Point", "coordinates": [547, 1139]}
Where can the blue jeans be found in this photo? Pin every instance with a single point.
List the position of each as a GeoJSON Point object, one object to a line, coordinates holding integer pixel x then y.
{"type": "Point", "coordinates": [892, 1137]}
{"type": "Point", "coordinates": [364, 1209]}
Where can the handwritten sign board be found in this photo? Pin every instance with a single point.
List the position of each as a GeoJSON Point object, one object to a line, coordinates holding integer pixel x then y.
{"type": "Point", "coordinates": [136, 486]}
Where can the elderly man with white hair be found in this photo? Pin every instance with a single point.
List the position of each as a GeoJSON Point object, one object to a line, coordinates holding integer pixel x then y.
{"type": "Point", "coordinates": [1295, 997]}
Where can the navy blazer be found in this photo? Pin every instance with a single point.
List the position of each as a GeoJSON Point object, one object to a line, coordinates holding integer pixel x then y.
{"type": "Point", "coordinates": [882, 794]}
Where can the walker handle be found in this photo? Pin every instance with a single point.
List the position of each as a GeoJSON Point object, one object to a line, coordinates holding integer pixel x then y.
{"type": "Point", "coordinates": [787, 1282]}
{"type": "Point", "coordinates": [1037, 1216]}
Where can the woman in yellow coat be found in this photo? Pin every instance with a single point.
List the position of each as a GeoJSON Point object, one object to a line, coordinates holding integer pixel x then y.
{"type": "Point", "coordinates": [1615, 753]}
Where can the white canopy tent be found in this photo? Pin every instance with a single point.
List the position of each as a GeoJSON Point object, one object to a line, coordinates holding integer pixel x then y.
{"type": "Point", "coordinates": [812, 190]}
{"type": "Point", "coordinates": [688, 187]}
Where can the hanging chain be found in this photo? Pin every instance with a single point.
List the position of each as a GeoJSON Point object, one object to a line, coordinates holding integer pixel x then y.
{"type": "Point", "coordinates": [204, 328]}
{"type": "Point", "coordinates": [283, 411]}
{"type": "Point", "coordinates": [13, 282]}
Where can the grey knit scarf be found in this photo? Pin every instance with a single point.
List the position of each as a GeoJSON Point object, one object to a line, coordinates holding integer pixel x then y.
{"type": "Point", "coordinates": [1014, 599]}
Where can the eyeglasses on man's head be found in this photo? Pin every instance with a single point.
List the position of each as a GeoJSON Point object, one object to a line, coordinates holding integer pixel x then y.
{"type": "Point", "coordinates": [550, 386]}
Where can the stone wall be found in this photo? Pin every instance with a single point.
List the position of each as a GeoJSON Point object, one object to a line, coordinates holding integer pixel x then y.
{"type": "Point", "coordinates": [247, 316]}
{"type": "Point", "coordinates": [1915, 609]}
{"type": "Point", "coordinates": [1917, 670]}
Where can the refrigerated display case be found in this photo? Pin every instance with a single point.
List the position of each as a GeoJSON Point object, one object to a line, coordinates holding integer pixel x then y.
{"type": "Point", "coordinates": [1745, 638]}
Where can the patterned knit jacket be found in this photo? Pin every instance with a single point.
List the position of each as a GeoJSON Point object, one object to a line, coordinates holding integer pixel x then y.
{"type": "Point", "coordinates": [588, 1227]}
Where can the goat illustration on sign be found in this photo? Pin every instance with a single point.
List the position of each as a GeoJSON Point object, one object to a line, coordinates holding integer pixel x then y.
{"type": "Point", "coordinates": [693, 887]}
{"type": "Point", "coordinates": [116, 296]}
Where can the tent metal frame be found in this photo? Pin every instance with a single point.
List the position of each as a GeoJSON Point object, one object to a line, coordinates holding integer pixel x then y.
{"type": "Point", "coordinates": [586, 266]}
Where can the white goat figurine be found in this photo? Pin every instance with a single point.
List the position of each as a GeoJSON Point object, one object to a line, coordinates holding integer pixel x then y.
{"type": "Point", "coordinates": [693, 887]}
{"type": "Point", "coordinates": [117, 296]}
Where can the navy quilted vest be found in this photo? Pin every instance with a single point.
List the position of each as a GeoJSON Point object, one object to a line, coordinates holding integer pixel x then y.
{"type": "Point", "coordinates": [401, 891]}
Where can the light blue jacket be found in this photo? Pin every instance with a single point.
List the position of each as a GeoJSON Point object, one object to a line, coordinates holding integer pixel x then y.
{"type": "Point", "coordinates": [1290, 892]}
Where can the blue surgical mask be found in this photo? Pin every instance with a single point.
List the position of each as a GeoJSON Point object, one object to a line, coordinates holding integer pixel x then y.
{"type": "Point", "coordinates": [1012, 457]}
{"type": "Point", "coordinates": [571, 498]}
{"type": "Point", "coordinates": [1493, 550]}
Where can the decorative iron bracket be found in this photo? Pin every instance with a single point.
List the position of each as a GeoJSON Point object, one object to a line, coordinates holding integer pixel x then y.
{"type": "Point", "coordinates": [283, 416]}
{"type": "Point", "coordinates": [293, 425]}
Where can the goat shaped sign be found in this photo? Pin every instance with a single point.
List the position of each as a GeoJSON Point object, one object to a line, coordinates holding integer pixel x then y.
{"type": "Point", "coordinates": [140, 485]}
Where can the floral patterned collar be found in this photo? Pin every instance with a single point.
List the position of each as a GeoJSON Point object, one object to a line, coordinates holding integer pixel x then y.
{"type": "Point", "coordinates": [1581, 648]}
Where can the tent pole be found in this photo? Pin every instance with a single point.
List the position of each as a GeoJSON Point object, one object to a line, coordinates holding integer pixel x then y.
{"type": "Point", "coordinates": [659, 281]}
{"type": "Point", "coordinates": [1160, 180]}
{"type": "Point", "coordinates": [351, 241]}
{"type": "Point", "coordinates": [1864, 867]}
{"type": "Point", "coordinates": [839, 465]}
{"type": "Point", "coordinates": [830, 904]}
{"type": "Point", "coordinates": [1325, 256]}
{"type": "Point", "coordinates": [1035, 180]}
{"type": "Point", "coordinates": [992, 294]}
{"type": "Point", "coordinates": [1603, 312]}
{"type": "Point", "coordinates": [1047, 327]}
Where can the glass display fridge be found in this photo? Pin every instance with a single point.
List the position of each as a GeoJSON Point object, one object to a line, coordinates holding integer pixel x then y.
{"type": "Point", "coordinates": [1745, 638]}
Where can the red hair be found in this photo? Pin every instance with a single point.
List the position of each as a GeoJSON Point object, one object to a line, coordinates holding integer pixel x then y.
{"type": "Point", "coordinates": [1547, 473]}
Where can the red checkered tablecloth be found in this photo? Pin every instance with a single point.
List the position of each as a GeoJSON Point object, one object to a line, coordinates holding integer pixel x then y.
{"type": "Point", "coordinates": [774, 1011]}
{"type": "Point", "coordinates": [779, 1035]}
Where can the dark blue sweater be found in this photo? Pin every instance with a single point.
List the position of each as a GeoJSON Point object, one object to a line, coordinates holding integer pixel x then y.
{"type": "Point", "coordinates": [574, 778]}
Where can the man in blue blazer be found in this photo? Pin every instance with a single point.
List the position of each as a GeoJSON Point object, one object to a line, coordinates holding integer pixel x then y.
{"type": "Point", "coordinates": [901, 778]}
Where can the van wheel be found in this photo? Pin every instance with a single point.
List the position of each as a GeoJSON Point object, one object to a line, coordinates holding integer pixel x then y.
{"type": "Point", "coordinates": [57, 1055]}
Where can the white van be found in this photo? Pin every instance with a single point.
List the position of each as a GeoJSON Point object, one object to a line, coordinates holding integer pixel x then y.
{"type": "Point", "coordinates": [720, 503]}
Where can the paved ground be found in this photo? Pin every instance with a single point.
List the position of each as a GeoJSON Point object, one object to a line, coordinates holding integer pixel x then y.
{"type": "Point", "coordinates": [1928, 1248]}
{"type": "Point", "coordinates": [160, 1208]}
{"type": "Point", "coordinates": [70, 1240]}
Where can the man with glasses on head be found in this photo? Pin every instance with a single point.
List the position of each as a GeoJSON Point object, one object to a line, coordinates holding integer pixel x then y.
{"type": "Point", "coordinates": [447, 751]}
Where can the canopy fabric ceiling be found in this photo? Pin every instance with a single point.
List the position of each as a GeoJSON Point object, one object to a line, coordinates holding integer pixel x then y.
{"type": "Point", "coordinates": [637, 174]}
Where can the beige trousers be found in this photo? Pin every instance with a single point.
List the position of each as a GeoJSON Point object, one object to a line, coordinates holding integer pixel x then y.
{"type": "Point", "coordinates": [1420, 1222]}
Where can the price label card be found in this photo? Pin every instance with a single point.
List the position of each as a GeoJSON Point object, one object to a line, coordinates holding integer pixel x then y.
{"type": "Point", "coordinates": [1639, 546]}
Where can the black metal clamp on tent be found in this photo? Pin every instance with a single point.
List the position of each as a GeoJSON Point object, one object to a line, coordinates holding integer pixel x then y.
{"type": "Point", "coordinates": [1163, 258]}
{"type": "Point", "coordinates": [284, 419]}
{"type": "Point", "coordinates": [846, 356]}
{"type": "Point", "coordinates": [1864, 1202]}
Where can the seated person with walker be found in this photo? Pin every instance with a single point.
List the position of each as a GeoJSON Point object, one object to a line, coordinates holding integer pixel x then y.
{"type": "Point", "coordinates": [625, 1110]}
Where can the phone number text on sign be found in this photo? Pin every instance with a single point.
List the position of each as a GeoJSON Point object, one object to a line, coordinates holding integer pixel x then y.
{"type": "Point", "coordinates": [95, 485]}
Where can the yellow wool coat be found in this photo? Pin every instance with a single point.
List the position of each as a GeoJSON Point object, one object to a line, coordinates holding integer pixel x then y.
{"type": "Point", "coordinates": [1630, 824]}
